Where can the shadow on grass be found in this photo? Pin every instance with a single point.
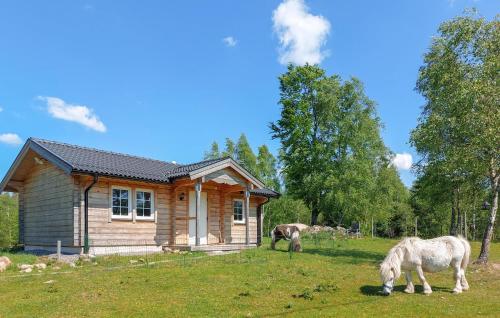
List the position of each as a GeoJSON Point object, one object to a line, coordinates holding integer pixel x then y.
{"type": "Point", "coordinates": [370, 290]}
{"type": "Point", "coordinates": [348, 256]}
{"type": "Point", "coordinates": [353, 256]}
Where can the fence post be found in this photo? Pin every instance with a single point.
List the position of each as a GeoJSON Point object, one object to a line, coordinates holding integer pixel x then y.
{"type": "Point", "coordinates": [416, 226]}
{"type": "Point", "coordinates": [474, 226]}
{"type": "Point", "coordinates": [372, 226]}
{"type": "Point", "coordinates": [58, 250]}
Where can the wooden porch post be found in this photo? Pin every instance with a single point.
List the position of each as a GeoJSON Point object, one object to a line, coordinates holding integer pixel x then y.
{"type": "Point", "coordinates": [173, 215]}
{"type": "Point", "coordinates": [259, 224]}
{"type": "Point", "coordinates": [247, 215]}
{"type": "Point", "coordinates": [198, 208]}
{"type": "Point", "coordinates": [222, 207]}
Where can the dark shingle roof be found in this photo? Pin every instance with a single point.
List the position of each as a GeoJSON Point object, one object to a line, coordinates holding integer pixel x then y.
{"type": "Point", "coordinates": [184, 170]}
{"type": "Point", "coordinates": [89, 160]}
{"type": "Point", "coordinates": [265, 193]}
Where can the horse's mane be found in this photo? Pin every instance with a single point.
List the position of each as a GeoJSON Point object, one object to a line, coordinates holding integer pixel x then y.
{"type": "Point", "coordinates": [393, 260]}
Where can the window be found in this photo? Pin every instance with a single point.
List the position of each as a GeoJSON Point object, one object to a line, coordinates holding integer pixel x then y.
{"type": "Point", "coordinates": [121, 202]}
{"type": "Point", "coordinates": [238, 211]}
{"type": "Point", "coordinates": [144, 204]}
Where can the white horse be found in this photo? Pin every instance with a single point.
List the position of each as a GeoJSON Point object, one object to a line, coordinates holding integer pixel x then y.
{"type": "Point", "coordinates": [426, 256]}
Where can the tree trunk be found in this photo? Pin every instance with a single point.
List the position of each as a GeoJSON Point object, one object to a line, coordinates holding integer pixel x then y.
{"type": "Point", "coordinates": [453, 228]}
{"type": "Point", "coordinates": [490, 228]}
{"type": "Point", "coordinates": [9, 227]}
{"type": "Point", "coordinates": [314, 215]}
{"type": "Point", "coordinates": [459, 214]}
{"type": "Point", "coordinates": [465, 224]}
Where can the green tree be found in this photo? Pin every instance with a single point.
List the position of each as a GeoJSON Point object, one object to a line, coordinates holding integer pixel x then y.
{"type": "Point", "coordinates": [330, 143]}
{"type": "Point", "coordinates": [285, 210]}
{"type": "Point", "coordinates": [213, 153]}
{"type": "Point", "coordinates": [230, 149]}
{"type": "Point", "coordinates": [303, 155]}
{"type": "Point", "coordinates": [266, 168]}
{"type": "Point", "coordinates": [390, 206]}
{"type": "Point", "coordinates": [9, 234]}
{"type": "Point", "coordinates": [458, 128]}
{"type": "Point", "coordinates": [245, 155]}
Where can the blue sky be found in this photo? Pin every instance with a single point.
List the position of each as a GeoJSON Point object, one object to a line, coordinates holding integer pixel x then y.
{"type": "Point", "coordinates": [163, 79]}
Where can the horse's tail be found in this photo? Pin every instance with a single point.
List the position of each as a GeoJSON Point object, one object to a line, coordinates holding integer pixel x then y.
{"type": "Point", "coordinates": [466, 258]}
{"type": "Point", "coordinates": [273, 238]}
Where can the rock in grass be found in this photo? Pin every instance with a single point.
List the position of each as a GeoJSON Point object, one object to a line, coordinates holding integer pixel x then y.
{"type": "Point", "coordinates": [40, 266]}
{"type": "Point", "coordinates": [4, 263]}
{"type": "Point", "coordinates": [25, 267]}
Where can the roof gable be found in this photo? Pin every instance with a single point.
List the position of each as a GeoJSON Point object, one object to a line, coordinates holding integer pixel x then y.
{"type": "Point", "coordinates": [222, 164]}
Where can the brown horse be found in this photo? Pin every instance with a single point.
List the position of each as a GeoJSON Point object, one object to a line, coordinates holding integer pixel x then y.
{"type": "Point", "coordinates": [286, 232]}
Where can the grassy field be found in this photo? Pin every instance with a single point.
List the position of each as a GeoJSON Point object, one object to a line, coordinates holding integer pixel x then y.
{"type": "Point", "coordinates": [332, 279]}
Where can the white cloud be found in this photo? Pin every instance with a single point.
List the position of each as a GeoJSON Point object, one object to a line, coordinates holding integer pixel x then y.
{"type": "Point", "coordinates": [1, 109]}
{"type": "Point", "coordinates": [229, 41]}
{"type": "Point", "coordinates": [81, 114]}
{"type": "Point", "coordinates": [301, 33]}
{"type": "Point", "coordinates": [402, 161]}
{"type": "Point", "coordinates": [11, 139]}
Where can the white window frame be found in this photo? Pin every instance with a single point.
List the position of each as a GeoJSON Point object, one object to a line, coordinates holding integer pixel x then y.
{"type": "Point", "coordinates": [130, 198]}
{"type": "Point", "coordinates": [242, 221]}
{"type": "Point", "coordinates": [142, 218]}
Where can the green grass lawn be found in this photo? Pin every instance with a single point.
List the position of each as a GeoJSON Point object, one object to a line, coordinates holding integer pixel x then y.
{"type": "Point", "coordinates": [332, 279]}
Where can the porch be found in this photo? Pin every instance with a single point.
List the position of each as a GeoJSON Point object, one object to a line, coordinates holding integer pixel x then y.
{"type": "Point", "coordinates": [216, 211]}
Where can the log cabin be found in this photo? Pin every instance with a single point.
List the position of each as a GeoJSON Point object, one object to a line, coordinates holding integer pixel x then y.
{"type": "Point", "coordinates": [102, 202]}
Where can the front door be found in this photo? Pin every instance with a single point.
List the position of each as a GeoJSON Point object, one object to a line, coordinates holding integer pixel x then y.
{"type": "Point", "coordinates": [202, 231]}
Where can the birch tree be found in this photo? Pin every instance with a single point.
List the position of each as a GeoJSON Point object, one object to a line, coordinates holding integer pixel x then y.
{"type": "Point", "coordinates": [459, 124]}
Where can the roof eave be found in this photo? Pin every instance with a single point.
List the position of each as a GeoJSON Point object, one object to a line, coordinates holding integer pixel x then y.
{"type": "Point", "coordinates": [115, 176]}
{"type": "Point", "coordinates": [43, 152]}
{"type": "Point", "coordinates": [51, 157]}
{"type": "Point", "coordinates": [272, 194]}
{"type": "Point", "coordinates": [15, 164]}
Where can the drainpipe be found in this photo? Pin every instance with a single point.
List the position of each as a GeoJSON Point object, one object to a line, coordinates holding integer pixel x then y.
{"type": "Point", "coordinates": [259, 223]}
{"type": "Point", "coordinates": [86, 216]}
